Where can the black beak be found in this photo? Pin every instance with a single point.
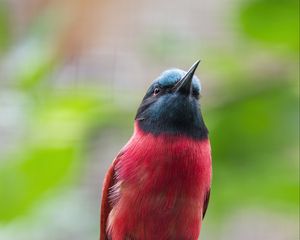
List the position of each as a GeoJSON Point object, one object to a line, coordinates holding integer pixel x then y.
{"type": "Point", "coordinates": [184, 86]}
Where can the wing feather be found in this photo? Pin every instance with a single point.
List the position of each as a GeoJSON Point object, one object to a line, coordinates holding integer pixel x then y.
{"type": "Point", "coordinates": [106, 203]}
{"type": "Point", "coordinates": [206, 201]}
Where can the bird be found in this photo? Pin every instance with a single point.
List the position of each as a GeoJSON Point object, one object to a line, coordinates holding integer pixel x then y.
{"type": "Point", "coordinates": [158, 186]}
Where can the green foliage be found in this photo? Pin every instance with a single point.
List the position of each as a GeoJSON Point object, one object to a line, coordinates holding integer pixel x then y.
{"type": "Point", "coordinates": [255, 140]}
{"type": "Point", "coordinates": [53, 146]}
{"type": "Point", "coordinates": [264, 122]}
{"type": "Point", "coordinates": [56, 131]}
{"type": "Point", "coordinates": [272, 22]}
{"type": "Point", "coordinates": [32, 64]}
{"type": "Point", "coordinates": [5, 30]}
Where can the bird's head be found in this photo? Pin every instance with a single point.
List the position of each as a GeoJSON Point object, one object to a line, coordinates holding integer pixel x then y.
{"type": "Point", "coordinates": [171, 105]}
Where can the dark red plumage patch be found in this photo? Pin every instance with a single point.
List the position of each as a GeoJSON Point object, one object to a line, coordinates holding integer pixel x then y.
{"type": "Point", "coordinates": [105, 204]}
{"type": "Point", "coordinates": [163, 192]}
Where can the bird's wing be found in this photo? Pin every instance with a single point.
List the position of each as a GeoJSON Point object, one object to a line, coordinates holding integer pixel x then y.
{"type": "Point", "coordinates": [106, 205]}
{"type": "Point", "coordinates": [206, 201]}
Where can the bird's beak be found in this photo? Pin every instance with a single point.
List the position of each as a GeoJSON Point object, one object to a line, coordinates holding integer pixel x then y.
{"type": "Point", "coordinates": [184, 86]}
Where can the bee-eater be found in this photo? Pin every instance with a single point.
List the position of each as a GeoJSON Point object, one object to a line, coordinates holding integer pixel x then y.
{"type": "Point", "coordinates": [158, 186]}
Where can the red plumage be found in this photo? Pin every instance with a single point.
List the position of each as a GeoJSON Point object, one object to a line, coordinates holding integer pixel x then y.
{"type": "Point", "coordinates": [157, 188]}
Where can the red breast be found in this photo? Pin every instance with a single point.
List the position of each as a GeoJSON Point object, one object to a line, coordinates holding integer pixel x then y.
{"type": "Point", "coordinates": [164, 180]}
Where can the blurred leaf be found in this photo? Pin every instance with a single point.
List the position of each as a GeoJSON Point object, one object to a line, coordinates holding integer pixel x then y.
{"type": "Point", "coordinates": [53, 147]}
{"type": "Point", "coordinates": [268, 117]}
{"type": "Point", "coordinates": [30, 63]}
{"type": "Point", "coordinates": [25, 181]}
{"type": "Point", "coordinates": [35, 63]}
{"type": "Point", "coordinates": [254, 143]}
{"type": "Point", "coordinates": [273, 22]}
{"type": "Point", "coordinates": [5, 27]}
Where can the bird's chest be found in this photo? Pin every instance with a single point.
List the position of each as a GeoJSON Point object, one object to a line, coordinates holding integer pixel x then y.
{"type": "Point", "coordinates": [163, 189]}
{"type": "Point", "coordinates": [161, 165]}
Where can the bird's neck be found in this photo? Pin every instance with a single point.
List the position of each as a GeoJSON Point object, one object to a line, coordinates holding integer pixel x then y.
{"type": "Point", "coordinates": [194, 129]}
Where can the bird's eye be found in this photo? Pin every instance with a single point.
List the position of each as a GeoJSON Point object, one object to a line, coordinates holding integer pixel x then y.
{"type": "Point", "coordinates": [156, 91]}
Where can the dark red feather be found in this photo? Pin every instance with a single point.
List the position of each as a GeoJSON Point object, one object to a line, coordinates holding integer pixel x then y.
{"type": "Point", "coordinates": [157, 188]}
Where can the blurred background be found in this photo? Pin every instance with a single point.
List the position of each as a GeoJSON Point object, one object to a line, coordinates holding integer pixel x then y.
{"type": "Point", "coordinates": [73, 72]}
